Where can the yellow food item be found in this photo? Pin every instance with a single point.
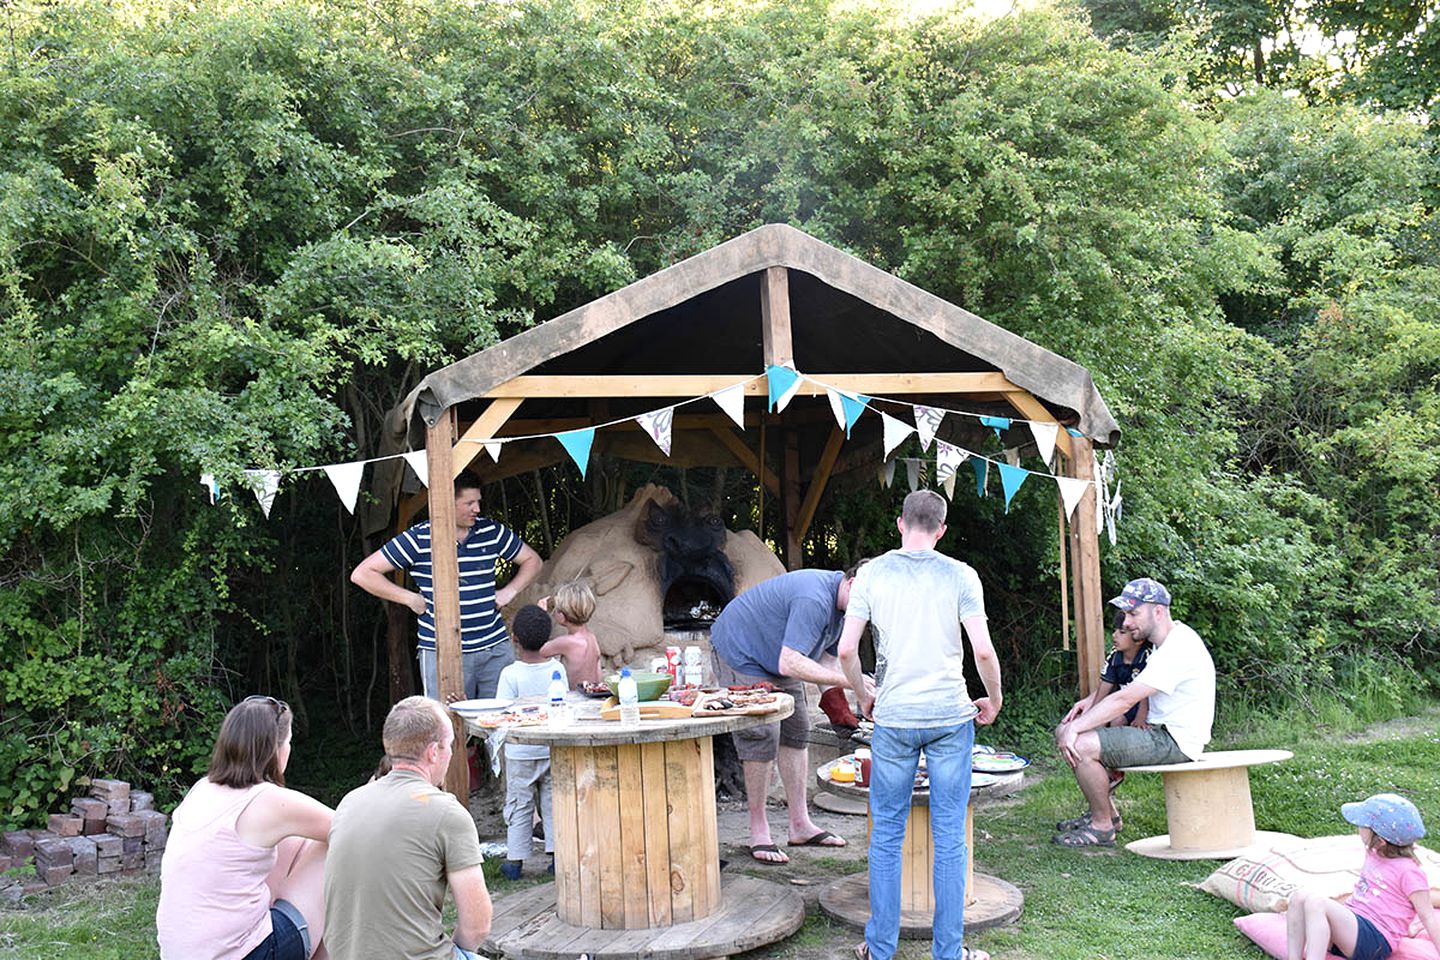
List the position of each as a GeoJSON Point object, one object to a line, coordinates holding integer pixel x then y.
{"type": "Point", "coordinates": [842, 773]}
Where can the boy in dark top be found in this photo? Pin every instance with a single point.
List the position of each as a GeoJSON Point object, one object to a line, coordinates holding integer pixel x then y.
{"type": "Point", "coordinates": [1125, 663]}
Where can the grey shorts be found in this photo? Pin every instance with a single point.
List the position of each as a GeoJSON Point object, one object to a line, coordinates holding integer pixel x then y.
{"type": "Point", "coordinates": [1135, 747]}
{"type": "Point", "coordinates": [762, 743]}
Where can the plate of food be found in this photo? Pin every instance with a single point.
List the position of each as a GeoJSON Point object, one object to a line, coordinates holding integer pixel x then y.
{"type": "Point", "coordinates": [594, 688]}
{"type": "Point", "coordinates": [982, 780]}
{"type": "Point", "coordinates": [484, 705]}
{"type": "Point", "coordinates": [841, 770]}
{"type": "Point", "coordinates": [999, 762]}
{"type": "Point", "coordinates": [527, 716]}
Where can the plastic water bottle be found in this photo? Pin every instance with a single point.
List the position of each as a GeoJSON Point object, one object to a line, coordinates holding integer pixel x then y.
{"type": "Point", "coordinates": [629, 699]}
{"type": "Point", "coordinates": [559, 709]}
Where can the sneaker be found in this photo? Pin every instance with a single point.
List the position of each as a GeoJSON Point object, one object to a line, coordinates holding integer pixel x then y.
{"type": "Point", "coordinates": [510, 869]}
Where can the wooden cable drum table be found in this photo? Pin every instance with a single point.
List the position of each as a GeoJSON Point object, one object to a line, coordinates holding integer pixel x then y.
{"type": "Point", "coordinates": [637, 858]}
{"type": "Point", "coordinates": [989, 901]}
{"type": "Point", "coordinates": [1208, 807]}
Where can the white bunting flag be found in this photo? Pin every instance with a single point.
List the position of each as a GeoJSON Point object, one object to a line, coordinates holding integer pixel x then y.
{"type": "Point", "coordinates": [658, 424]}
{"type": "Point", "coordinates": [732, 401]}
{"type": "Point", "coordinates": [1045, 434]}
{"type": "Point", "coordinates": [948, 458]}
{"type": "Point", "coordinates": [1102, 495]}
{"type": "Point", "coordinates": [896, 432]}
{"type": "Point", "coordinates": [1071, 490]}
{"type": "Point", "coordinates": [346, 479]}
{"type": "Point", "coordinates": [416, 459]}
{"type": "Point", "coordinates": [912, 474]}
{"type": "Point", "coordinates": [949, 485]}
{"type": "Point", "coordinates": [836, 407]}
{"type": "Point", "coordinates": [265, 483]}
{"type": "Point", "coordinates": [927, 424]}
{"type": "Point", "coordinates": [887, 474]}
{"type": "Point", "coordinates": [492, 447]}
{"type": "Point", "coordinates": [207, 480]}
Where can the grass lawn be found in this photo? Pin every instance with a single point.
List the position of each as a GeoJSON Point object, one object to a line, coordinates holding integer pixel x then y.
{"type": "Point", "coordinates": [1078, 905]}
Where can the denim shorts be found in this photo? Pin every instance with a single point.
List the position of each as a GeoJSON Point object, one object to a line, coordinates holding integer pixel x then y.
{"type": "Point", "coordinates": [1370, 943]}
{"type": "Point", "coordinates": [1134, 747]}
{"type": "Point", "coordinates": [289, 935]}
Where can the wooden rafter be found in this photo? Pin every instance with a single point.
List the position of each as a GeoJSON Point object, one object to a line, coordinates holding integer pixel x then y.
{"type": "Point", "coordinates": [697, 384]}
{"type": "Point", "coordinates": [484, 428]}
{"type": "Point", "coordinates": [818, 483]}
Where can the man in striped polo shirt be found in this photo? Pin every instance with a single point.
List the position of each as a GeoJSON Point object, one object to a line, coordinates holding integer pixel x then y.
{"type": "Point", "coordinates": [479, 542]}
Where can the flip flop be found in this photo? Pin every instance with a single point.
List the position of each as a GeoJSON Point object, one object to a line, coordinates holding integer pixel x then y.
{"type": "Point", "coordinates": [1090, 836]}
{"type": "Point", "coordinates": [767, 848]}
{"type": "Point", "coordinates": [819, 840]}
{"type": "Point", "coordinates": [862, 951]}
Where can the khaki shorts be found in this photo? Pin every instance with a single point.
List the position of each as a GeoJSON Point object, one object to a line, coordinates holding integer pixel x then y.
{"type": "Point", "coordinates": [1135, 747]}
{"type": "Point", "coordinates": [762, 743]}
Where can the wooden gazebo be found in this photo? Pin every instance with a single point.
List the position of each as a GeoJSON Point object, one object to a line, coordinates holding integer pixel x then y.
{"type": "Point", "coordinates": [773, 296]}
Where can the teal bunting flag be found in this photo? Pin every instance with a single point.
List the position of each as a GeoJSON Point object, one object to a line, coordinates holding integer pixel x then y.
{"type": "Point", "coordinates": [853, 407]}
{"type": "Point", "coordinates": [1073, 432]}
{"type": "Point", "coordinates": [781, 381]}
{"type": "Point", "coordinates": [1011, 478]}
{"type": "Point", "coordinates": [982, 470]}
{"type": "Point", "coordinates": [577, 444]}
{"type": "Point", "coordinates": [997, 424]}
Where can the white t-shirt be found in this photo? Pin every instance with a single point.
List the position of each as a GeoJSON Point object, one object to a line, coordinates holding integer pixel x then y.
{"type": "Point", "coordinates": [1183, 675]}
{"type": "Point", "coordinates": [915, 600]}
{"type": "Point", "coordinates": [521, 679]}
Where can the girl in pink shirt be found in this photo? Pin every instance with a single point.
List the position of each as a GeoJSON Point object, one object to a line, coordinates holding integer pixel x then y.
{"type": "Point", "coordinates": [1391, 892]}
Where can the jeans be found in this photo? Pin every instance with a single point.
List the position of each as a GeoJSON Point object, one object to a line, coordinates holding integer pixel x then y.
{"type": "Point", "coordinates": [481, 671]}
{"type": "Point", "coordinates": [895, 754]}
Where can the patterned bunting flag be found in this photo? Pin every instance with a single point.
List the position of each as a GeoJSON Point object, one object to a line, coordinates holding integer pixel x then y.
{"type": "Point", "coordinates": [207, 480]}
{"type": "Point", "coordinates": [1045, 434]}
{"type": "Point", "coordinates": [949, 484]}
{"type": "Point", "coordinates": [927, 424]}
{"type": "Point", "coordinates": [1071, 490]}
{"type": "Point", "coordinates": [998, 424]}
{"type": "Point", "coordinates": [948, 458]}
{"type": "Point", "coordinates": [577, 444]}
{"type": "Point", "coordinates": [264, 483]}
{"type": "Point", "coordinates": [658, 424]}
{"type": "Point", "coordinates": [981, 466]}
{"type": "Point", "coordinates": [416, 459]}
{"type": "Point", "coordinates": [732, 401]}
{"type": "Point", "coordinates": [896, 431]}
{"type": "Point", "coordinates": [1011, 479]}
{"type": "Point", "coordinates": [783, 383]}
{"type": "Point", "coordinates": [345, 477]}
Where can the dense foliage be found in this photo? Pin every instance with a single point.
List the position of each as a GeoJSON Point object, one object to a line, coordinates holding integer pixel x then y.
{"type": "Point", "coordinates": [233, 235]}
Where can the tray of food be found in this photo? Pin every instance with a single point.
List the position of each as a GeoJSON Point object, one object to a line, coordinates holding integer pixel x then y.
{"type": "Point", "coordinates": [751, 700]}
{"type": "Point", "coordinates": [999, 762]}
{"type": "Point", "coordinates": [529, 715]}
{"type": "Point", "coordinates": [595, 689]}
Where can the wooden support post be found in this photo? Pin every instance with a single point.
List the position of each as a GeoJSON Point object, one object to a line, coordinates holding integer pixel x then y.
{"type": "Point", "coordinates": [775, 317]}
{"type": "Point", "coordinates": [445, 568]}
{"type": "Point", "coordinates": [1062, 540]}
{"type": "Point", "coordinates": [790, 501]}
{"type": "Point", "coordinates": [818, 482]}
{"type": "Point", "coordinates": [1085, 572]}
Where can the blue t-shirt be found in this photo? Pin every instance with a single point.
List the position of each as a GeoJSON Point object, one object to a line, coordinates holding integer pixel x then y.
{"type": "Point", "coordinates": [481, 626]}
{"type": "Point", "coordinates": [1120, 673]}
{"type": "Point", "coordinates": [795, 610]}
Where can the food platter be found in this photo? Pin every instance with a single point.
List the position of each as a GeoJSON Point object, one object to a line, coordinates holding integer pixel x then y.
{"type": "Point", "coordinates": [999, 762]}
{"type": "Point", "coordinates": [840, 770]}
{"type": "Point", "coordinates": [526, 716]}
{"type": "Point", "coordinates": [594, 689]}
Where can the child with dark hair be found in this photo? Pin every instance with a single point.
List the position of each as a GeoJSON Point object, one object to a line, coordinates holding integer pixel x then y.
{"type": "Point", "coordinates": [1124, 664]}
{"type": "Point", "coordinates": [527, 766]}
{"type": "Point", "coordinates": [1391, 892]}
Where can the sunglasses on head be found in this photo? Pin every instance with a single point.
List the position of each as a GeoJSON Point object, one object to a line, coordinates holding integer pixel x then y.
{"type": "Point", "coordinates": [280, 705]}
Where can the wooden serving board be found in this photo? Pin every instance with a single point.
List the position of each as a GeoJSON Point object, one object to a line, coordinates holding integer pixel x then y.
{"type": "Point", "coordinates": [649, 710]}
{"type": "Point", "coordinates": [752, 710]}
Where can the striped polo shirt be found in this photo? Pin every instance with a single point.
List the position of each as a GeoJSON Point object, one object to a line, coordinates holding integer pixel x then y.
{"type": "Point", "coordinates": [481, 626]}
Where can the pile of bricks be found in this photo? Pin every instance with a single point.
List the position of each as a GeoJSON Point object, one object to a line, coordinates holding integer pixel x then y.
{"type": "Point", "coordinates": [115, 830]}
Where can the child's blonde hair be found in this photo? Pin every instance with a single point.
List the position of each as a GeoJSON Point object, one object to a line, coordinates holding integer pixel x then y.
{"type": "Point", "coordinates": [575, 601]}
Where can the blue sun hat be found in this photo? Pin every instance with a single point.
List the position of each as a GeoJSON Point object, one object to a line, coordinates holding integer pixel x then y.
{"type": "Point", "coordinates": [1390, 815]}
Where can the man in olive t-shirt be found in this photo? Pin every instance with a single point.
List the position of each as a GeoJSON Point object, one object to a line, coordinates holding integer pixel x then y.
{"type": "Point", "coordinates": [397, 844]}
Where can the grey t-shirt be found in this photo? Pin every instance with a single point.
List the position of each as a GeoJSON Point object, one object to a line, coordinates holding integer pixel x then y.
{"type": "Point", "coordinates": [914, 601]}
{"type": "Point", "coordinates": [392, 842]}
{"type": "Point", "coordinates": [795, 610]}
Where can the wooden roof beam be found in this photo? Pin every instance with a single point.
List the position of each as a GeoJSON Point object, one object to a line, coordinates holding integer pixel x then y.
{"type": "Point", "coordinates": [700, 384]}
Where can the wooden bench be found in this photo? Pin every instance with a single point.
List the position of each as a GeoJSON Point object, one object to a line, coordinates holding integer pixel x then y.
{"type": "Point", "coordinates": [1208, 807]}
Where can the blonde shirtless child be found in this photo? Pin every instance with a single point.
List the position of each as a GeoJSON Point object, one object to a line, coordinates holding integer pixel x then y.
{"type": "Point", "coordinates": [572, 606]}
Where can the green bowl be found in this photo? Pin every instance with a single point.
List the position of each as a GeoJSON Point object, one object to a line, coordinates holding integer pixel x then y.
{"type": "Point", "coordinates": [648, 686]}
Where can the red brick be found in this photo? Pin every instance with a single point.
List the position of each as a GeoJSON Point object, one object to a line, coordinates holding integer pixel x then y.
{"type": "Point", "coordinates": [106, 865]}
{"type": "Point", "coordinates": [125, 825]}
{"type": "Point", "coordinates": [66, 825]}
{"type": "Point", "coordinates": [86, 854]}
{"type": "Point", "coordinates": [152, 859]}
{"type": "Point", "coordinates": [90, 808]}
{"type": "Point", "coordinates": [53, 852]}
{"type": "Point", "coordinates": [93, 827]}
{"type": "Point", "coordinates": [108, 845]}
{"type": "Point", "coordinates": [110, 789]}
{"type": "Point", "coordinates": [132, 845]}
{"type": "Point", "coordinates": [117, 806]}
{"type": "Point", "coordinates": [156, 827]}
{"type": "Point", "coordinates": [132, 861]}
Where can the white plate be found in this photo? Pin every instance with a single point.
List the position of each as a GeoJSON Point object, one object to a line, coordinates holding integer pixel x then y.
{"type": "Point", "coordinates": [982, 780]}
{"type": "Point", "coordinates": [999, 763]}
{"type": "Point", "coordinates": [481, 706]}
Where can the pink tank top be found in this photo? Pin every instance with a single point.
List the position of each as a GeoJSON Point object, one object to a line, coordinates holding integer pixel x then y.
{"type": "Point", "coordinates": [214, 904]}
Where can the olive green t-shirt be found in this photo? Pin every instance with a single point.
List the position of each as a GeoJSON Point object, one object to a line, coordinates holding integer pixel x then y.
{"type": "Point", "coordinates": [391, 844]}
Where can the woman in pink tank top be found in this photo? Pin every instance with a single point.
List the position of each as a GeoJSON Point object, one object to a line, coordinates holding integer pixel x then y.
{"type": "Point", "coordinates": [243, 873]}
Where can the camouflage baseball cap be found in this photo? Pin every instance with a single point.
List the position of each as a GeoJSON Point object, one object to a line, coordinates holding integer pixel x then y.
{"type": "Point", "coordinates": [1141, 591]}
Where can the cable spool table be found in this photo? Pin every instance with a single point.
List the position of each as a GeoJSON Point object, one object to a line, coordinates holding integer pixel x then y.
{"type": "Point", "coordinates": [989, 901]}
{"type": "Point", "coordinates": [637, 859]}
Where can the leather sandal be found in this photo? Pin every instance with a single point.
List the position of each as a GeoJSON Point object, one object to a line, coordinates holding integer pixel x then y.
{"type": "Point", "coordinates": [1084, 820]}
{"type": "Point", "coordinates": [1087, 836]}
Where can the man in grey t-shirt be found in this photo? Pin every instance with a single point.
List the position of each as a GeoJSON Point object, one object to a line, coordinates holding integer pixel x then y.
{"type": "Point", "coordinates": [783, 630]}
{"type": "Point", "coordinates": [916, 600]}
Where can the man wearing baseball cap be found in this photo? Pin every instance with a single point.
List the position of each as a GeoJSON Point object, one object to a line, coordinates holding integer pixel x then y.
{"type": "Point", "coordinates": [1179, 679]}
